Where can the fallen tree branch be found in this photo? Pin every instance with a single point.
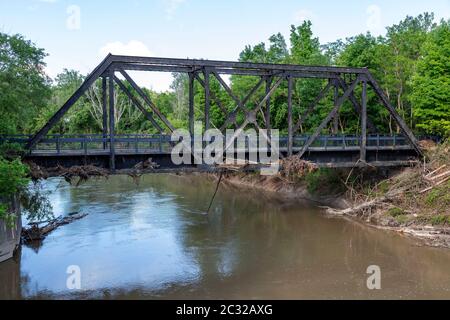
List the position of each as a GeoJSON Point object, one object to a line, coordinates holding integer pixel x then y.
{"type": "Point", "coordinates": [35, 232]}
{"type": "Point", "coordinates": [433, 186]}
{"type": "Point", "coordinates": [436, 171]}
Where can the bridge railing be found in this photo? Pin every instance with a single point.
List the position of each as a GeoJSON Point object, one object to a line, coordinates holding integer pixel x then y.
{"type": "Point", "coordinates": [344, 142]}
{"type": "Point", "coordinates": [95, 143]}
{"type": "Point", "coordinates": [158, 143]}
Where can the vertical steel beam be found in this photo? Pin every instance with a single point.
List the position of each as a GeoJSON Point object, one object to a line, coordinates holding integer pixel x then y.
{"type": "Point", "coordinates": [207, 98]}
{"type": "Point", "coordinates": [363, 146]}
{"type": "Point", "coordinates": [104, 111]}
{"type": "Point", "coordinates": [191, 104]}
{"type": "Point", "coordinates": [269, 80]}
{"type": "Point", "coordinates": [112, 155]}
{"type": "Point", "coordinates": [336, 118]}
{"type": "Point", "coordinates": [290, 126]}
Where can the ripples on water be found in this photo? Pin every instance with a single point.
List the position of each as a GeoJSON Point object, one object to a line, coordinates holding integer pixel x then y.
{"type": "Point", "coordinates": [153, 240]}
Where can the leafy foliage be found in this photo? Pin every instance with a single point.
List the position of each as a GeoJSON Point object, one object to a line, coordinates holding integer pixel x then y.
{"type": "Point", "coordinates": [13, 177]}
{"type": "Point", "coordinates": [24, 86]}
{"type": "Point", "coordinates": [431, 84]}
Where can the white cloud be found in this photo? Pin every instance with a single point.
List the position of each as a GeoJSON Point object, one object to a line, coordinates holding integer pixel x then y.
{"type": "Point", "coordinates": [303, 15]}
{"type": "Point", "coordinates": [158, 81]}
{"type": "Point", "coordinates": [171, 7]}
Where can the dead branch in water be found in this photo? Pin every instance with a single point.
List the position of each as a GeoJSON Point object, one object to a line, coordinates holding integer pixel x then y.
{"type": "Point", "coordinates": [83, 173]}
{"type": "Point", "coordinates": [35, 232]}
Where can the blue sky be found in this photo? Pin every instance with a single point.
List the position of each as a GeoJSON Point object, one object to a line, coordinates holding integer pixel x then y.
{"type": "Point", "coordinates": [78, 33]}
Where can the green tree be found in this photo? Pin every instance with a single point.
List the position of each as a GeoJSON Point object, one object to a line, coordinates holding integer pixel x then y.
{"type": "Point", "coordinates": [24, 86]}
{"type": "Point", "coordinates": [431, 84]}
{"type": "Point", "coordinates": [405, 41]}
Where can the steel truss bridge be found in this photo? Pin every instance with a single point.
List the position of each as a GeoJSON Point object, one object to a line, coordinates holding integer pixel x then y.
{"type": "Point", "coordinates": [113, 150]}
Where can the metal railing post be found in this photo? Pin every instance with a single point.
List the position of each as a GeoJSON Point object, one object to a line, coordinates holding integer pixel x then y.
{"type": "Point", "coordinates": [136, 143]}
{"type": "Point", "coordinates": [58, 144]}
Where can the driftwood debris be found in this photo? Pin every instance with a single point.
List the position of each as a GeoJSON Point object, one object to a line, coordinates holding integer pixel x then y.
{"type": "Point", "coordinates": [436, 178]}
{"type": "Point", "coordinates": [296, 167]}
{"type": "Point", "coordinates": [36, 233]}
{"type": "Point", "coordinates": [83, 173]}
{"type": "Point", "coordinates": [352, 211]}
{"type": "Point", "coordinates": [147, 164]}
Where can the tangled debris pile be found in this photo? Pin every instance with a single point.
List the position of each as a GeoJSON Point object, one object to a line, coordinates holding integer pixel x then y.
{"type": "Point", "coordinates": [79, 174]}
{"type": "Point", "coordinates": [146, 165]}
{"type": "Point", "coordinates": [37, 172]}
{"type": "Point", "coordinates": [74, 175]}
{"type": "Point", "coordinates": [294, 167]}
{"type": "Point", "coordinates": [140, 168]}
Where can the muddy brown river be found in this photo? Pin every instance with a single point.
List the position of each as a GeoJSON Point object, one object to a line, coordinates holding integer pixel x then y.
{"type": "Point", "coordinates": [154, 241]}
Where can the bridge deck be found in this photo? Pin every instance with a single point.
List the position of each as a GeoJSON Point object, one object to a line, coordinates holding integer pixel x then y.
{"type": "Point", "coordinates": [327, 151]}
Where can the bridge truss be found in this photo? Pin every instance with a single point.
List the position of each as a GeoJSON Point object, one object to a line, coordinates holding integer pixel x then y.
{"type": "Point", "coordinates": [342, 79]}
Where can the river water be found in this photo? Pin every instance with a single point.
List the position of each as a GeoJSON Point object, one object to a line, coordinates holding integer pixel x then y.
{"type": "Point", "coordinates": [154, 241]}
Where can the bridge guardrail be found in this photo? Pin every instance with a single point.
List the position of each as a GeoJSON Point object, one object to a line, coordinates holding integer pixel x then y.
{"type": "Point", "coordinates": [159, 143]}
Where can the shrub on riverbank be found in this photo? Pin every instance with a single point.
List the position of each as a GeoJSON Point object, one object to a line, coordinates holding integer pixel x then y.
{"type": "Point", "coordinates": [13, 179]}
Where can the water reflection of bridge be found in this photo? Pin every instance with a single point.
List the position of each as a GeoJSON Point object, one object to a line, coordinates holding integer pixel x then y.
{"type": "Point", "coordinates": [346, 84]}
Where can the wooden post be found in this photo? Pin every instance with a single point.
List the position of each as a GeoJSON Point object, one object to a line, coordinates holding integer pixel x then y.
{"type": "Point", "coordinates": [112, 155]}
{"type": "Point", "coordinates": [207, 98]}
{"type": "Point", "coordinates": [290, 134]}
{"type": "Point", "coordinates": [363, 155]}
{"type": "Point", "coordinates": [105, 112]}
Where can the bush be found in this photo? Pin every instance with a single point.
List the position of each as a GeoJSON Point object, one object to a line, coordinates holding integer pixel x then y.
{"type": "Point", "coordinates": [395, 212]}
{"type": "Point", "coordinates": [440, 220]}
{"type": "Point", "coordinates": [13, 177]}
{"type": "Point", "coordinates": [324, 180]}
{"type": "Point", "coordinates": [11, 151]}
